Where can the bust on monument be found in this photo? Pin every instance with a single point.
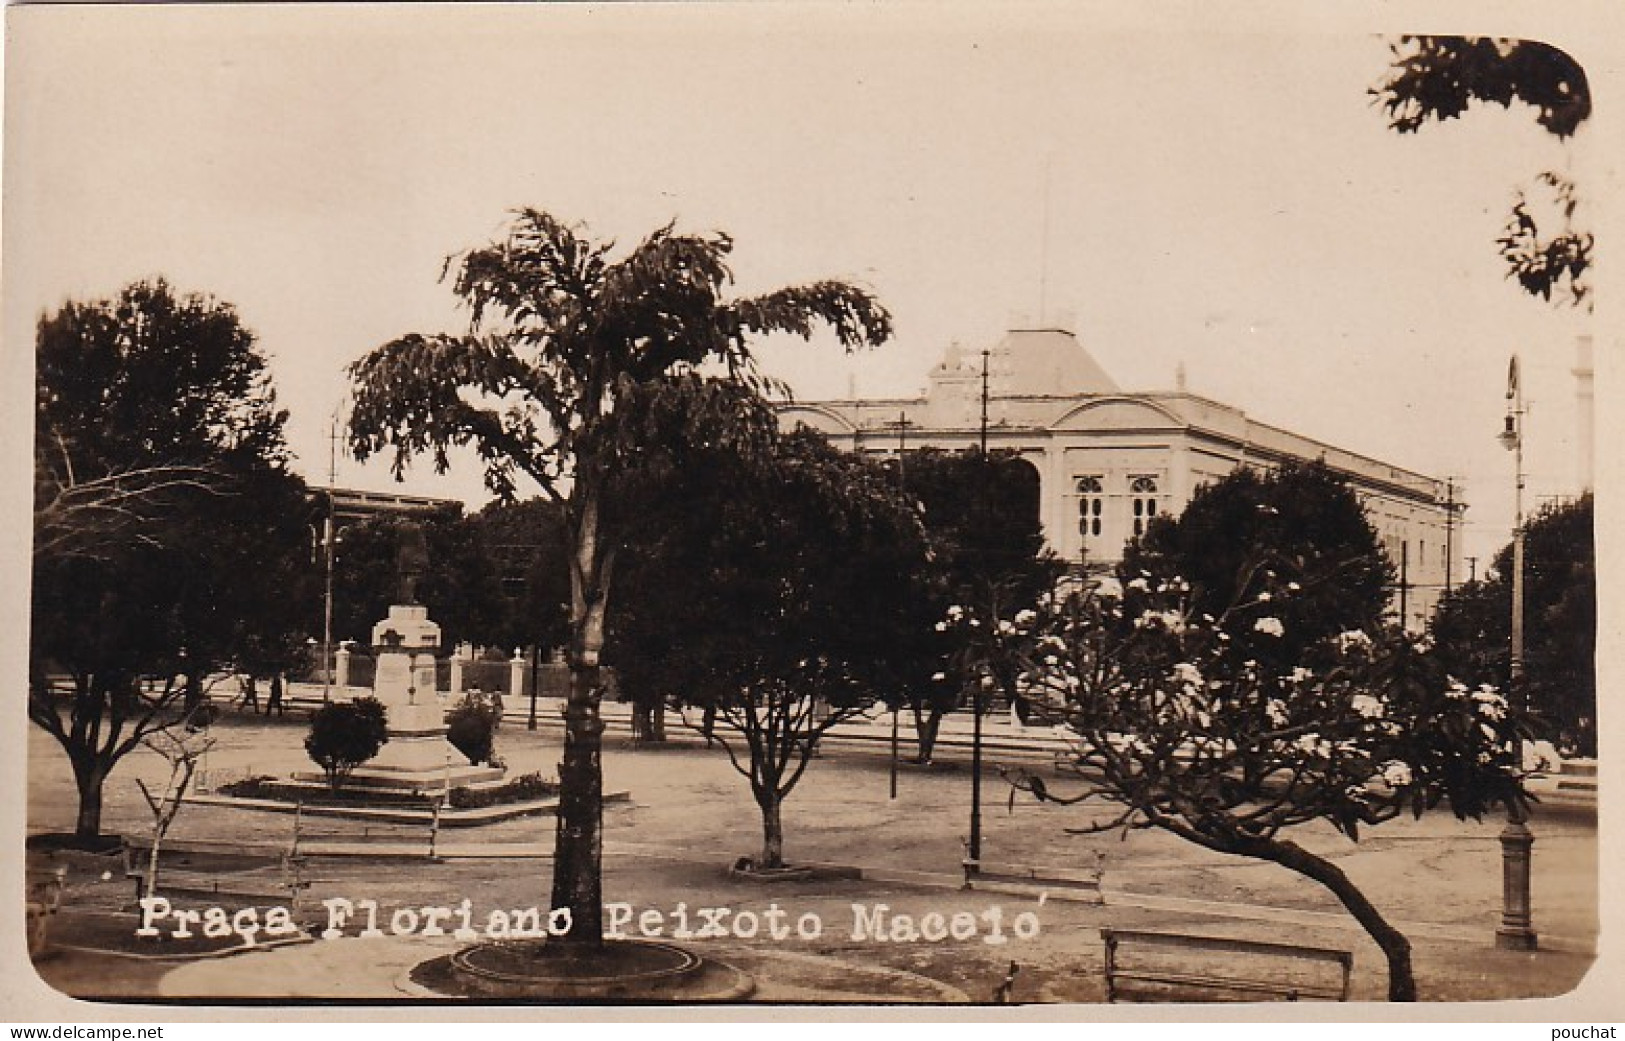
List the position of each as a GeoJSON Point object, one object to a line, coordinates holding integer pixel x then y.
{"type": "Point", "coordinates": [411, 560]}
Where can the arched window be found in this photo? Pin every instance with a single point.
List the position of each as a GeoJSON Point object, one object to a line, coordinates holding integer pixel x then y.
{"type": "Point", "coordinates": [1143, 490]}
{"type": "Point", "coordinates": [1091, 505]}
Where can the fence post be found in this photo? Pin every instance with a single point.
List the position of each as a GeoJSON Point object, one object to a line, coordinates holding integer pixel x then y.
{"type": "Point", "coordinates": [341, 668]}
{"type": "Point", "coordinates": [516, 673]}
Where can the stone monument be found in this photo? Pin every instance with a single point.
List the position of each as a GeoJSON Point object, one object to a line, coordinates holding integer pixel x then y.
{"type": "Point", "coordinates": [417, 755]}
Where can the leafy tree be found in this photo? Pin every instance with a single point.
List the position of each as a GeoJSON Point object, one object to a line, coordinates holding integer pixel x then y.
{"type": "Point", "coordinates": [1172, 732]}
{"type": "Point", "coordinates": [788, 588]}
{"type": "Point", "coordinates": [345, 734]}
{"type": "Point", "coordinates": [1472, 629]}
{"type": "Point", "coordinates": [1441, 77]}
{"type": "Point", "coordinates": [981, 515]}
{"type": "Point", "coordinates": [159, 408]}
{"type": "Point", "coordinates": [578, 370]}
{"type": "Point", "coordinates": [1292, 543]}
{"type": "Point", "coordinates": [526, 543]}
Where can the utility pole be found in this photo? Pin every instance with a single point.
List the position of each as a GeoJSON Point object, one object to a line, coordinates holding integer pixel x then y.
{"type": "Point", "coordinates": [327, 542]}
{"type": "Point", "coordinates": [1404, 583]}
{"type": "Point", "coordinates": [902, 424]}
{"type": "Point", "coordinates": [1449, 531]}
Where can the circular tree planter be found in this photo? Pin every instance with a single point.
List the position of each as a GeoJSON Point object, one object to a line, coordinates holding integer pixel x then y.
{"type": "Point", "coordinates": [616, 970]}
{"type": "Point", "coordinates": [745, 870]}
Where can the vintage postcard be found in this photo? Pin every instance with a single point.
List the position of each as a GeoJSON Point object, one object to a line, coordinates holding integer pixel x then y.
{"type": "Point", "coordinates": [810, 509]}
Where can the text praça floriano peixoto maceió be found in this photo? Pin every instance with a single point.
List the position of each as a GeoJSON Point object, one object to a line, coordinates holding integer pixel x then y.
{"type": "Point", "coordinates": [365, 919]}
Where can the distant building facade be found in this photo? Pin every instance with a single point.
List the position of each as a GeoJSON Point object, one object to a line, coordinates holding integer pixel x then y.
{"type": "Point", "coordinates": [353, 504]}
{"type": "Point", "coordinates": [1109, 460]}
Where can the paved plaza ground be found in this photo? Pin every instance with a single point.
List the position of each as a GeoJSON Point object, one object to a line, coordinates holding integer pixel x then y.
{"type": "Point", "coordinates": [689, 816]}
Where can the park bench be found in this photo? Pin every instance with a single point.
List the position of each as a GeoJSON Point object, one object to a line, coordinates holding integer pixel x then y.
{"type": "Point", "coordinates": [44, 897]}
{"type": "Point", "coordinates": [1155, 966]}
{"type": "Point", "coordinates": [282, 879]}
{"type": "Point", "coordinates": [1082, 884]}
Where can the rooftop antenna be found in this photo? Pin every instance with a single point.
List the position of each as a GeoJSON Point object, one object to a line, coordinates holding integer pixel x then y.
{"type": "Point", "coordinates": [1043, 249]}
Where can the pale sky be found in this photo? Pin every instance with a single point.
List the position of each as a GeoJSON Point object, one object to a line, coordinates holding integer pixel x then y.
{"type": "Point", "coordinates": [1222, 195]}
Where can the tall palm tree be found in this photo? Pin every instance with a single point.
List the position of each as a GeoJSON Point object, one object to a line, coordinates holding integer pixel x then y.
{"type": "Point", "coordinates": [581, 372]}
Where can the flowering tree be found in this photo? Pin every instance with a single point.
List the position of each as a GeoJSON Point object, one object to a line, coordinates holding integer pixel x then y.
{"type": "Point", "coordinates": [1177, 728]}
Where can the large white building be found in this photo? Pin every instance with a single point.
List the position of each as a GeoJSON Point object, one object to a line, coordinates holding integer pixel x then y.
{"type": "Point", "coordinates": [1108, 460]}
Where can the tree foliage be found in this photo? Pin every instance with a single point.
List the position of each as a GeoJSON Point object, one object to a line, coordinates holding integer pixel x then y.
{"type": "Point", "coordinates": [168, 526]}
{"type": "Point", "coordinates": [981, 517]}
{"type": "Point", "coordinates": [1292, 543]}
{"type": "Point", "coordinates": [1472, 628]}
{"type": "Point", "coordinates": [782, 595]}
{"type": "Point", "coordinates": [1441, 77]}
{"type": "Point", "coordinates": [1173, 732]}
{"type": "Point", "coordinates": [580, 370]}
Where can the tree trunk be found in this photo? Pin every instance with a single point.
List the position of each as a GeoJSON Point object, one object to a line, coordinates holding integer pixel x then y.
{"type": "Point", "coordinates": [194, 690]}
{"type": "Point", "coordinates": [578, 847]}
{"type": "Point", "coordinates": [88, 777]}
{"type": "Point", "coordinates": [772, 835]}
{"type": "Point", "coordinates": [926, 727]}
{"type": "Point", "coordinates": [1397, 949]}
{"type": "Point", "coordinates": [275, 701]}
{"type": "Point", "coordinates": [578, 840]}
{"type": "Point", "coordinates": [658, 721]}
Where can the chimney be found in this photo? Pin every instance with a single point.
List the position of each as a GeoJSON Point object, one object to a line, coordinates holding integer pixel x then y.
{"type": "Point", "coordinates": [1585, 410]}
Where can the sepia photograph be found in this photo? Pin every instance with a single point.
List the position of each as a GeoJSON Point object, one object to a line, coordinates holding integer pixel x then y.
{"type": "Point", "coordinates": [805, 508]}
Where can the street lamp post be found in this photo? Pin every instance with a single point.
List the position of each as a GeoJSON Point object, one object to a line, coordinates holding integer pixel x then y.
{"type": "Point", "coordinates": [1516, 931]}
{"type": "Point", "coordinates": [975, 848]}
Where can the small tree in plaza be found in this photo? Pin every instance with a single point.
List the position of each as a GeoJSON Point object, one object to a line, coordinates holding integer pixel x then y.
{"type": "Point", "coordinates": [579, 369]}
{"type": "Point", "coordinates": [981, 516]}
{"type": "Point", "coordinates": [345, 734]}
{"type": "Point", "coordinates": [788, 592]}
{"type": "Point", "coordinates": [1177, 728]}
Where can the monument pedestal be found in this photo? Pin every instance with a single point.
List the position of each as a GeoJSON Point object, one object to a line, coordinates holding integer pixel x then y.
{"type": "Point", "coordinates": [417, 756]}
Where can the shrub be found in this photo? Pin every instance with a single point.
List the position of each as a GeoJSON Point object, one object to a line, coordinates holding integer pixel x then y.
{"type": "Point", "coordinates": [520, 789]}
{"type": "Point", "coordinates": [471, 727]}
{"type": "Point", "coordinates": [345, 734]}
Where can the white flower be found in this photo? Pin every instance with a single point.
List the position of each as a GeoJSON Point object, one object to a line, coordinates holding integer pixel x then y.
{"type": "Point", "coordinates": [1269, 627]}
{"type": "Point", "coordinates": [938, 677]}
{"type": "Point", "coordinates": [942, 627]}
{"type": "Point", "coordinates": [1353, 638]}
{"type": "Point", "coordinates": [1139, 583]}
{"type": "Point", "coordinates": [1367, 707]}
{"type": "Point", "coordinates": [956, 612]}
{"type": "Point", "coordinates": [1005, 628]}
{"type": "Point", "coordinates": [1293, 587]}
{"type": "Point", "coordinates": [1396, 774]}
{"type": "Point", "coordinates": [1355, 792]}
{"type": "Point", "coordinates": [1186, 673]}
{"type": "Point", "coordinates": [1300, 675]}
{"type": "Point", "coordinates": [1265, 597]}
{"type": "Point", "coordinates": [1026, 617]}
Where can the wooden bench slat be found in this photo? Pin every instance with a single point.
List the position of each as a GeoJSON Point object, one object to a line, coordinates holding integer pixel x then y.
{"type": "Point", "coordinates": [1132, 972]}
{"type": "Point", "coordinates": [1191, 941]}
{"type": "Point", "coordinates": [1227, 983]}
